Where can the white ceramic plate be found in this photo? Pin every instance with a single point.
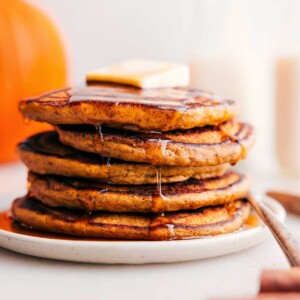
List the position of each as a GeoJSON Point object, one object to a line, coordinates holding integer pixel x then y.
{"type": "Point", "coordinates": [114, 252]}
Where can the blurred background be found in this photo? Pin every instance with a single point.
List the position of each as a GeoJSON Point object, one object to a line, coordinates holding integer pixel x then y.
{"type": "Point", "coordinates": [241, 49]}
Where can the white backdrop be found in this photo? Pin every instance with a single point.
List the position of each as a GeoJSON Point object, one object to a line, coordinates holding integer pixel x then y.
{"type": "Point", "coordinates": [231, 46]}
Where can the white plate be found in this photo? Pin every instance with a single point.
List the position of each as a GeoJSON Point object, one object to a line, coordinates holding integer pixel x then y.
{"type": "Point", "coordinates": [114, 252]}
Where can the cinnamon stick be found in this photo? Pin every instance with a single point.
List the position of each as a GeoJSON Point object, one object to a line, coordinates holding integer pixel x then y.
{"type": "Point", "coordinates": [276, 296]}
{"type": "Point", "coordinates": [272, 281]}
{"type": "Point", "coordinates": [265, 296]}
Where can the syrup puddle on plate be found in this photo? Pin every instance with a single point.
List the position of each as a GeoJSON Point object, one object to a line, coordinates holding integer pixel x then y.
{"type": "Point", "coordinates": [8, 224]}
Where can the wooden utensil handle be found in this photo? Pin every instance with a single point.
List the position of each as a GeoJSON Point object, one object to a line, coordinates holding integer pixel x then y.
{"type": "Point", "coordinates": [289, 243]}
{"type": "Point", "coordinates": [290, 202]}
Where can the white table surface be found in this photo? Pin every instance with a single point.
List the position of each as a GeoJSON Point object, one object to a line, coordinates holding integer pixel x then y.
{"type": "Point", "coordinates": [234, 275]}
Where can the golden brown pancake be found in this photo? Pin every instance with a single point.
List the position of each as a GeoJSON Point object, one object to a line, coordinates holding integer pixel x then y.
{"type": "Point", "coordinates": [44, 154]}
{"type": "Point", "coordinates": [173, 225]}
{"type": "Point", "coordinates": [205, 146]}
{"type": "Point", "coordinates": [81, 194]}
{"type": "Point", "coordinates": [162, 109]}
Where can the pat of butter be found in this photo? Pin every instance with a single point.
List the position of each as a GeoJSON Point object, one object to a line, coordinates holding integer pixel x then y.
{"type": "Point", "coordinates": [143, 74]}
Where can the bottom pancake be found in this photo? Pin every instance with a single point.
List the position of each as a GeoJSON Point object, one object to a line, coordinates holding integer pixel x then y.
{"type": "Point", "coordinates": [207, 221]}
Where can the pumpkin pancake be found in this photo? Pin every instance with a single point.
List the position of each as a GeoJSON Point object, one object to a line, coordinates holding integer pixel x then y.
{"type": "Point", "coordinates": [205, 146]}
{"type": "Point", "coordinates": [90, 196]}
{"type": "Point", "coordinates": [45, 154]}
{"type": "Point", "coordinates": [173, 225]}
{"type": "Point", "coordinates": [161, 109]}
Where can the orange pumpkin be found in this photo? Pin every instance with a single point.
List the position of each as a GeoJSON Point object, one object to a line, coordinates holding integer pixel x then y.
{"type": "Point", "coordinates": [32, 61]}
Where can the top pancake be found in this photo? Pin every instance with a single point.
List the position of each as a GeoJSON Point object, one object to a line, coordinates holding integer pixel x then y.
{"type": "Point", "coordinates": [162, 109]}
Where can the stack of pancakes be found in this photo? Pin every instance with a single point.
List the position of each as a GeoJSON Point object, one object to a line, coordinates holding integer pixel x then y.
{"type": "Point", "coordinates": [128, 163]}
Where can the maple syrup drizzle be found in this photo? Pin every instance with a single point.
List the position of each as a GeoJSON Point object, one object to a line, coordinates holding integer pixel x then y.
{"type": "Point", "coordinates": [160, 220]}
{"type": "Point", "coordinates": [102, 190]}
{"type": "Point", "coordinates": [161, 150]}
{"type": "Point", "coordinates": [157, 196]}
{"type": "Point", "coordinates": [99, 130]}
{"type": "Point", "coordinates": [251, 222]}
{"type": "Point", "coordinates": [103, 96]}
{"type": "Point", "coordinates": [171, 229]}
{"type": "Point", "coordinates": [158, 177]}
{"type": "Point", "coordinates": [8, 224]}
{"type": "Point", "coordinates": [168, 98]}
{"type": "Point", "coordinates": [238, 140]}
{"type": "Point", "coordinates": [163, 146]}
